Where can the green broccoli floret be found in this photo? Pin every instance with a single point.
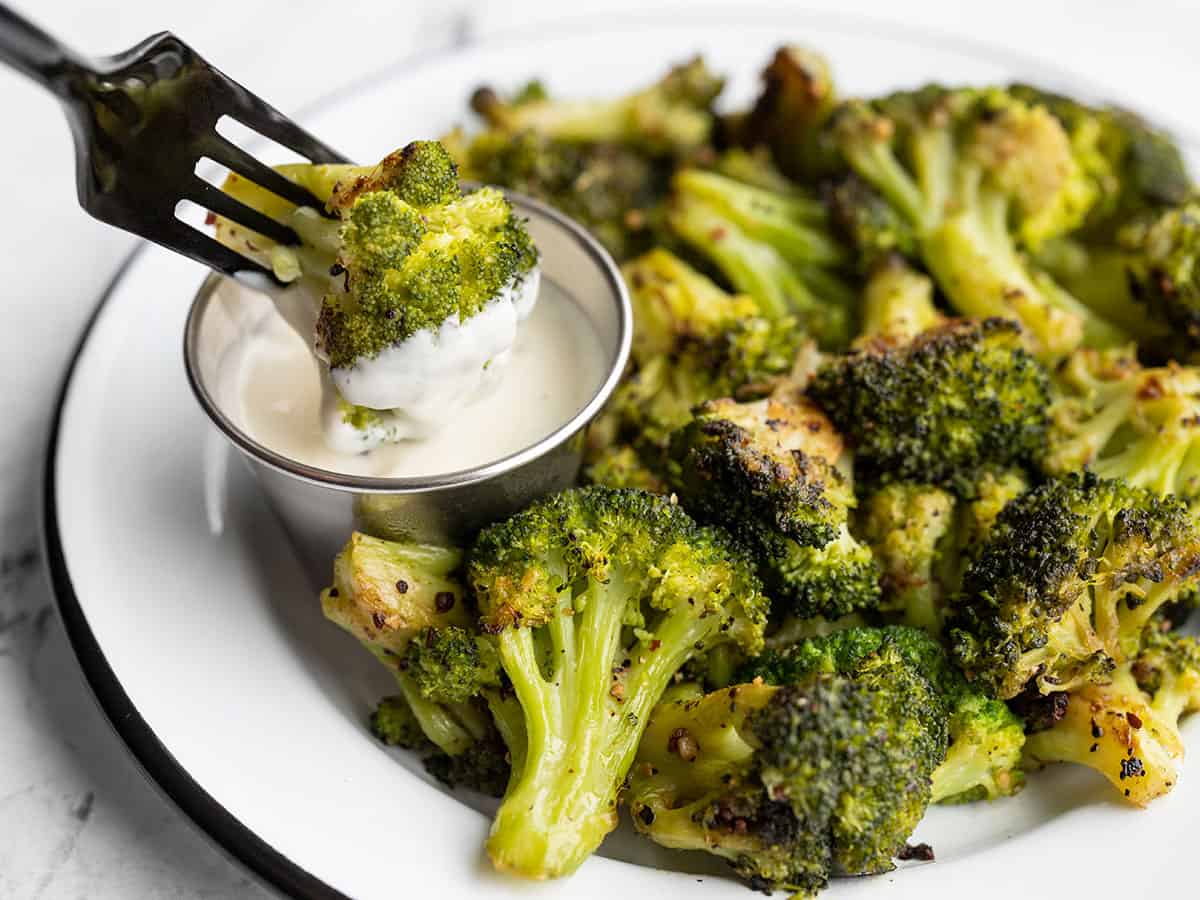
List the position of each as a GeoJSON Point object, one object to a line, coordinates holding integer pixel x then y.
{"type": "Point", "coordinates": [594, 599]}
{"type": "Point", "coordinates": [403, 602]}
{"type": "Point", "coordinates": [908, 525]}
{"type": "Point", "coordinates": [673, 116]}
{"type": "Point", "coordinates": [767, 471]}
{"type": "Point", "coordinates": [797, 98]}
{"type": "Point", "coordinates": [983, 758]}
{"type": "Point", "coordinates": [790, 785]}
{"type": "Point", "coordinates": [692, 342]}
{"type": "Point", "coordinates": [897, 304]}
{"type": "Point", "coordinates": [394, 723]}
{"type": "Point", "coordinates": [953, 400]}
{"type": "Point", "coordinates": [980, 174]}
{"type": "Point", "coordinates": [1124, 421]}
{"type": "Point", "coordinates": [613, 190]}
{"type": "Point", "coordinates": [1067, 582]}
{"type": "Point", "coordinates": [868, 223]}
{"type": "Point", "coordinates": [755, 168]}
{"type": "Point", "coordinates": [1127, 728]}
{"type": "Point", "coordinates": [1160, 254]}
{"type": "Point", "coordinates": [621, 466]}
{"type": "Point", "coordinates": [776, 247]}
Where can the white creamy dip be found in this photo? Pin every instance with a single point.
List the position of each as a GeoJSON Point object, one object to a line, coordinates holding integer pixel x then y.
{"type": "Point", "coordinates": [285, 399]}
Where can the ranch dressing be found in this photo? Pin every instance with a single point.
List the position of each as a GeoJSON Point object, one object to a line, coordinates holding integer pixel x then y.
{"type": "Point", "coordinates": [555, 366]}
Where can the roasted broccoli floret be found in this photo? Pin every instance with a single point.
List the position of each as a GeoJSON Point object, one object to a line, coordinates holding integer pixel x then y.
{"type": "Point", "coordinates": [1067, 582]}
{"type": "Point", "coordinates": [897, 304]}
{"type": "Point", "coordinates": [594, 598]}
{"type": "Point", "coordinates": [403, 259]}
{"type": "Point", "coordinates": [776, 247]}
{"type": "Point", "coordinates": [868, 223]}
{"type": "Point", "coordinates": [797, 98]}
{"type": "Point", "coordinates": [1127, 729]}
{"type": "Point", "coordinates": [767, 471]}
{"type": "Point", "coordinates": [956, 398]}
{"type": "Point", "coordinates": [828, 775]}
{"type": "Point", "coordinates": [404, 603]}
{"type": "Point", "coordinates": [692, 342]}
{"type": "Point", "coordinates": [1161, 255]}
{"type": "Point", "coordinates": [613, 190]}
{"type": "Point", "coordinates": [621, 466]}
{"type": "Point", "coordinates": [983, 758]}
{"type": "Point", "coordinates": [981, 174]}
{"type": "Point", "coordinates": [672, 116]}
{"type": "Point", "coordinates": [1121, 420]}
{"type": "Point", "coordinates": [908, 526]}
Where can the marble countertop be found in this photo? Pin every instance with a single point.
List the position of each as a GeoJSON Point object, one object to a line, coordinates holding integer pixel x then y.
{"type": "Point", "coordinates": [77, 817]}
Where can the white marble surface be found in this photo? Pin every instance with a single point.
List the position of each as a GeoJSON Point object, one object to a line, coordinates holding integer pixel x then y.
{"type": "Point", "coordinates": [77, 818]}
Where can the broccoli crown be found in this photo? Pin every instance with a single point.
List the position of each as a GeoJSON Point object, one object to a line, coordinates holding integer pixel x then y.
{"type": "Point", "coordinates": [981, 174]}
{"type": "Point", "coordinates": [839, 579]}
{"type": "Point", "coordinates": [594, 599]}
{"type": "Point", "coordinates": [621, 466]}
{"type": "Point", "coordinates": [673, 116]}
{"type": "Point", "coordinates": [613, 190]}
{"type": "Point", "coordinates": [692, 342]}
{"type": "Point", "coordinates": [1072, 573]}
{"type": "Point", "coordinates": [790, 784]}
{"type": "Point", "coordinates": [414, 252]}
{"type": "Point", "coordinates": [1123, 421]}
{"type": "Point", "coordinates": [954, 399]}
{"type": "Point", "coordinates": [763, 465]}
{"type": "Point", "coordinates": [1161, 254]}
{"type": "Point", "coordinates": [908, 525]}
{"type": "Point", "coordinates": [776, 247]}
{"type": "Point", "coordinates": [982, 759]}
{"type": "Point", "coordinates": [450, 664]}
{"type": "Point", "coordinates": [1127, 729]}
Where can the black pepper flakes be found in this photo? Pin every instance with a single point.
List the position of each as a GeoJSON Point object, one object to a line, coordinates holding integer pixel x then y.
{"type": "Point", "coordinates": [444, 601]}
{"type": "Point", "coordinates": [402, 586]}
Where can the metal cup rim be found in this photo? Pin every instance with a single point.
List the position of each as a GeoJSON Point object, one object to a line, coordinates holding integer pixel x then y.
{"type": "Point", "coordinates": [424, 484]}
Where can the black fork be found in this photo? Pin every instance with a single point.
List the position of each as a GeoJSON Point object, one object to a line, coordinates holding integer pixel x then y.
{"type": "Point", "coordinates": [143, 119]}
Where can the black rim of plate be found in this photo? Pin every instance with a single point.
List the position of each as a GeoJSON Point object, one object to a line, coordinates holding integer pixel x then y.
{"type": "Point", "coordinates": [157, 762]}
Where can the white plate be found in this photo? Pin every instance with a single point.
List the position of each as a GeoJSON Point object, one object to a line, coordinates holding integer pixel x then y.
{"type": "Point", "coordinates": [204, 642]}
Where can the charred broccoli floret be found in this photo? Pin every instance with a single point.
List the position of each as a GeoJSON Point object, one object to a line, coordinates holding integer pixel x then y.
{"type": "Point", "coordinates": [868, 223]}
{"type": "Point", "coordinates": [1161, 256]}
{"type": "Point", "coordinates": [956, 398]}
{"type": "Point", "coordinates": [983, 757]}
{"type": "Point", "coordinates": [776, 247]}
{"type": "Point", "coordinates": [594, 598]}
{"type": "Point", "coordinates": [672, 116]}
{"type": "Point", "coordinates": [827, 775]}
{"type": "Point", "coordinates": [1121, 420]}
{"type": "Point", "coordinates": [692, 342]}
{"type": "Point", "coordinates": [1067, 582]}
{"type": "Point", "coordinates": [1127, 729]}
{"type": "Point", "coordinates": [980, 174]}
{"type": "Point", "coordinates": [767, 470]}
{"type": "Point", "coordinates": [405, 605]}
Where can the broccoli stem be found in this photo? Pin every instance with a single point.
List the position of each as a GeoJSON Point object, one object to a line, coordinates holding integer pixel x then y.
{"type": "Point", "coordinates": [582, 729]}
{"type": "Point", "coordinates": [452, 726]}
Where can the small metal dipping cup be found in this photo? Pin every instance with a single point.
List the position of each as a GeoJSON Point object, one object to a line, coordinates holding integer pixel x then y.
{"type": "Point", "coordinates": [319, 508]}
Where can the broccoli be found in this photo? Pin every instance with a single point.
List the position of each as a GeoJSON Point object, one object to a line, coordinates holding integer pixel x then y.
{"type": "Point", "coordinates": [767, 471]}
{"type": "Point", "coordinates": [404, 256]}
{"type": "Point", "coordinates": [404, 604]}
{"type": "Point", "coordinates": [979, 175]}
{"type": "Point", "coordinates": [692, 342]}
{"type": "Point", "coordinates": [1160, 254]}
{"type": "Point", "coordinates": [952, 400]}
{"type": "Point", "coordinates": [797, 98]}
{"type": "Point", "coordinates": [620, 466]}
{"type": "Point", "coordinates": [776, 247]}
{"type": "Point", "coordinates": [1124, 421]}
{"type": "Point", "coordinates": [983, 757]}
{"type": "Point", "coordinates": [792, 784]}
{"type": "Point", "coordinates": [897, 304]}
{"type": "Point", "coordinates": [907, 526]}
{"type": "Point", "coordinates": [754, 167]}
{"type": "Point", "coordinates": [1064, 588]}
{"type": "Point", "coordinates": [1128, 728]}
{"type": "Point", "coordinates": [611, 189]}
{"type": "Point", "coordinates": [874, 229]}
{"type": "Point", "coordinates": [594, 598]}
{"type": "Point", "coordinates": [673, 116]}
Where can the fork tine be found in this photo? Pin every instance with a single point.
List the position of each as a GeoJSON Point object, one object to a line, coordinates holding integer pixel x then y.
{"type": "Point", "coordinates": [238, 160]}
{"type": "Point", "coordinates": [260, 116]}
{"type": "Point", "coordinates": [208, 251]}
{"type": "Point", "coordinates": [216, 200]}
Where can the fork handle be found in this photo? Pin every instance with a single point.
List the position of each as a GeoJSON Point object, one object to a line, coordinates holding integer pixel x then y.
{"type": "Point", "coordinates": [31, 51]}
